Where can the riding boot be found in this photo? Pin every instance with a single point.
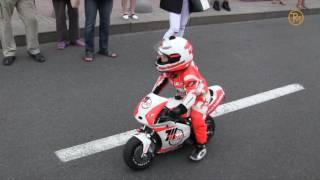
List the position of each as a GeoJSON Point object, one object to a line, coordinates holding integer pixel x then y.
{"type": "Point", "coordinates": [199, 152]}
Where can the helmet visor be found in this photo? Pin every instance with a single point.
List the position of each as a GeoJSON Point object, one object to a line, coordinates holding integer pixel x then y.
{"type": "Point", "coordinates": [162, 58]}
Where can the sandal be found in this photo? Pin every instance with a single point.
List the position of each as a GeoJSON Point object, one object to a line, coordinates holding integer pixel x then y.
{"type": "Point", "coordinates": [61, 45]}
{"type": "Point", "coordinates": [108, 54]}
{"type": "Point", "coordinates": [88, 58]}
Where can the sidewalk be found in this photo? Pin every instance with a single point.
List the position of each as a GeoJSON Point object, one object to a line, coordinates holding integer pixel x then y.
{"type": "Point", "coordinates": [158, 19]}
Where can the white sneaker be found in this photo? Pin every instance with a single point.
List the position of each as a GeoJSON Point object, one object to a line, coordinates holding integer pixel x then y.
{"type": "Point", "coordinates": [125, 16]}
{"type": "Point", "coordinates": [134, 16]}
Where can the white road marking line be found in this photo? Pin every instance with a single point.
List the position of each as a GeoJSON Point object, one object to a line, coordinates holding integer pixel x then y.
{"type": "Point", "coordinates": [110, 142]}
{"type": "Point", "coordinates": [93, 147]}
{"type": "Point", "coordinates": [256, 99]}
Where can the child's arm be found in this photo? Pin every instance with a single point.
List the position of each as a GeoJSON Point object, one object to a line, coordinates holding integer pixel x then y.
{"type": "Point", "coordinates": [191, 85]}
{"type": "Point", "coordinates": [160, 84]}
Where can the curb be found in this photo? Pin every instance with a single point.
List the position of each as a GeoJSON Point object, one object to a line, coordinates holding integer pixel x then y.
{"type": "Point", "coordinates": [47, 37]}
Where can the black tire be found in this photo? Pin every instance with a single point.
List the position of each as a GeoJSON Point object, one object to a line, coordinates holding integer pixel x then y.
{"type": "Point", "coordinates": [211, 127]}
{"type": "Point", "coordinates": [132, 155]}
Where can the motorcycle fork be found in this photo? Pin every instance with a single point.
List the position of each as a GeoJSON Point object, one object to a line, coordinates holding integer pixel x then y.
{"type": "Point", "coordinates": [149, 133]}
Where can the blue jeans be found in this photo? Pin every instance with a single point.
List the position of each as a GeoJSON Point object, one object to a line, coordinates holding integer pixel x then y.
{"type": "Point", "coordinates": [91, 8]}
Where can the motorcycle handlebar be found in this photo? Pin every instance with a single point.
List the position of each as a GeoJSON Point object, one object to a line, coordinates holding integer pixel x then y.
{"type": "Point", "coordinates": [165, 117]}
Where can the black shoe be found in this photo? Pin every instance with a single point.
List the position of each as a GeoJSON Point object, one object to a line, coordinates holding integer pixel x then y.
{"type": "Point", "coordinates": [37, 57]}
{"type": "Point", "coordinates": [225, 5]}
{"type": "Point", "coordinates": [198, 153]}
{"type": "Point", "coordinates": [7, 61]}
{"type": "Point", "coordinates": [216, 5]}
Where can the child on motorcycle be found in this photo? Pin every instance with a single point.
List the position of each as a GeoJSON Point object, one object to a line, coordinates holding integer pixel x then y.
{"type": "Point", "coordinates": [175, 62]}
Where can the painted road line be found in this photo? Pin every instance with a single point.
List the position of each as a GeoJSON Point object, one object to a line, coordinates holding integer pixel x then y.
{"type": "Point", "coordinates": [256, 99]}
{"type": "Point", "coordinates": [94, 147]}
{"type": "Point", "coordinates": [110, 142]}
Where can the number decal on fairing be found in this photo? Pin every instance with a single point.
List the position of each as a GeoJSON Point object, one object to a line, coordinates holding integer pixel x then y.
{"type": "Point", "coordinates": [174, 136]}
{"type": "Point", "coordinates": [171, 134]}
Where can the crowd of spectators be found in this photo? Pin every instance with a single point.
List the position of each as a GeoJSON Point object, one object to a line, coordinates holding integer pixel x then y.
{"type": "Point", "coordinates": [179, 12]}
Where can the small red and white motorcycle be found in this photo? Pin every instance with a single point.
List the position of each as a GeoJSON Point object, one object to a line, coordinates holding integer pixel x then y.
{"type": "Point", "coordinates": [160, 133]}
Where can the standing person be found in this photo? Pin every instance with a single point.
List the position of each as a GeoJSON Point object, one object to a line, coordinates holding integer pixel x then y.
{"type": "Point", "coordinates": [61, 25]}
{"type": "Point", "coordinates": [27, 12]}
{"type": "Point", "coordinates": [301, 4]}
{"type": "Point", "coordinates": [125, 10]}
{"type": "Point", "coordinates": [179, 12]}
{"type": "Point", "coordinates": [91, 8]}
{"type": "Point", "coordinates": [225, 5]}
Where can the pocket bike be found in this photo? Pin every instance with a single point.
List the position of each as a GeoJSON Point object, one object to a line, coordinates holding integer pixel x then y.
{"type": "Point", "coordinates": [161, 133]}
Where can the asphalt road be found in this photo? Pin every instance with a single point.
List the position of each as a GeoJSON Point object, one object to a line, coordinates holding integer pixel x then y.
{"type": "Point", "coordinates": [65, 102]}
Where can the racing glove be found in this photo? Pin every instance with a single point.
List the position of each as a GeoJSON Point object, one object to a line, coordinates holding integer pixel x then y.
{"type": "Point", "coordinates": [177, 111]}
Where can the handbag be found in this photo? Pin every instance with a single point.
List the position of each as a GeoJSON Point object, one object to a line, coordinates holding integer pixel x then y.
{"type": "Point", "coordinates": [174, 6]}
{"type": "Point", "coordinates": [75, 3]}
{"type": "Point", "coordinates": [199, 5]}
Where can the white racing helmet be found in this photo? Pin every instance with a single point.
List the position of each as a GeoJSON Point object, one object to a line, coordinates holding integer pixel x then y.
{"type": "Point", "coordinates": [179, 53]}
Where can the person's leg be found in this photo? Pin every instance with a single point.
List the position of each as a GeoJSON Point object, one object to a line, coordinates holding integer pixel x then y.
{"type": "Point", "coordinates": [60, 12]}
{"type": "Point", "coordinates": [27, 11]}
{"type": "Point", "coordinates": [91, 8]}
{"type": "Point", "coordinates": [199, 126]}
{"type": "Point", "coordinates": [185, 13]}
{"type": "Point", "coordinates": [7, 40]}
{"type": "Point", "coordinates": [200, 130]}
{"type": "Point", "coordinates": [304, 5]}
{"type": "Point", "coordinates": [125, 13]}
{"type": "Point", "coordinates": [133, 9]}
{"type": "Point", "coordinates": [301, 4]}
{"type": "Point", "coordinates": [105, 9]}
{"type": "Point", "coordinates": [174, 28]}
{"type": "Point", "coordinates": [133, 6]}
{"type": "Point", "coordinates": [74, 33]}
{"type": "Point", "coordinates": [124, 4]}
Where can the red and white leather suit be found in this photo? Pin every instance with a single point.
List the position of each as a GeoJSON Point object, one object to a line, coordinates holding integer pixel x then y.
{"type": "Point", "coordinates": [190, 84]}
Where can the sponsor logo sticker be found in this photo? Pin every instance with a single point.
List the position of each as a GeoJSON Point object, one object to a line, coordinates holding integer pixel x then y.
{"type": "Point", "coordinates": [146, 103]}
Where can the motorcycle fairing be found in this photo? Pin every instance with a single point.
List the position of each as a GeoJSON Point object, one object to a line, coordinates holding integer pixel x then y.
{"type": "Point", "coordinates": [145, 140]}
{"type": "Point", "coordinates": [217, 97]}
{"type": "Point", "coordinates": [149, 107]}
{"type": "Point", "coordinates": [172, 135]}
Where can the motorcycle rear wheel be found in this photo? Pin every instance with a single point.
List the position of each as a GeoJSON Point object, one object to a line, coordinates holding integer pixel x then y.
{"type": "Point", "coordinates": [132, 155]}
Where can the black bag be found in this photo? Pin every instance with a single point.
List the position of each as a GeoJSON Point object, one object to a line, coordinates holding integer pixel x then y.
{"type": "Point", "coordinates": [199, 5]}
{"type": "Point", "coordinates": [174, 6]}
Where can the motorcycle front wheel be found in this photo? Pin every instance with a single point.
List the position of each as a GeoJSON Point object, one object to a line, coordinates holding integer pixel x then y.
{"type": "Point", "coordinates": [133, 155]}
